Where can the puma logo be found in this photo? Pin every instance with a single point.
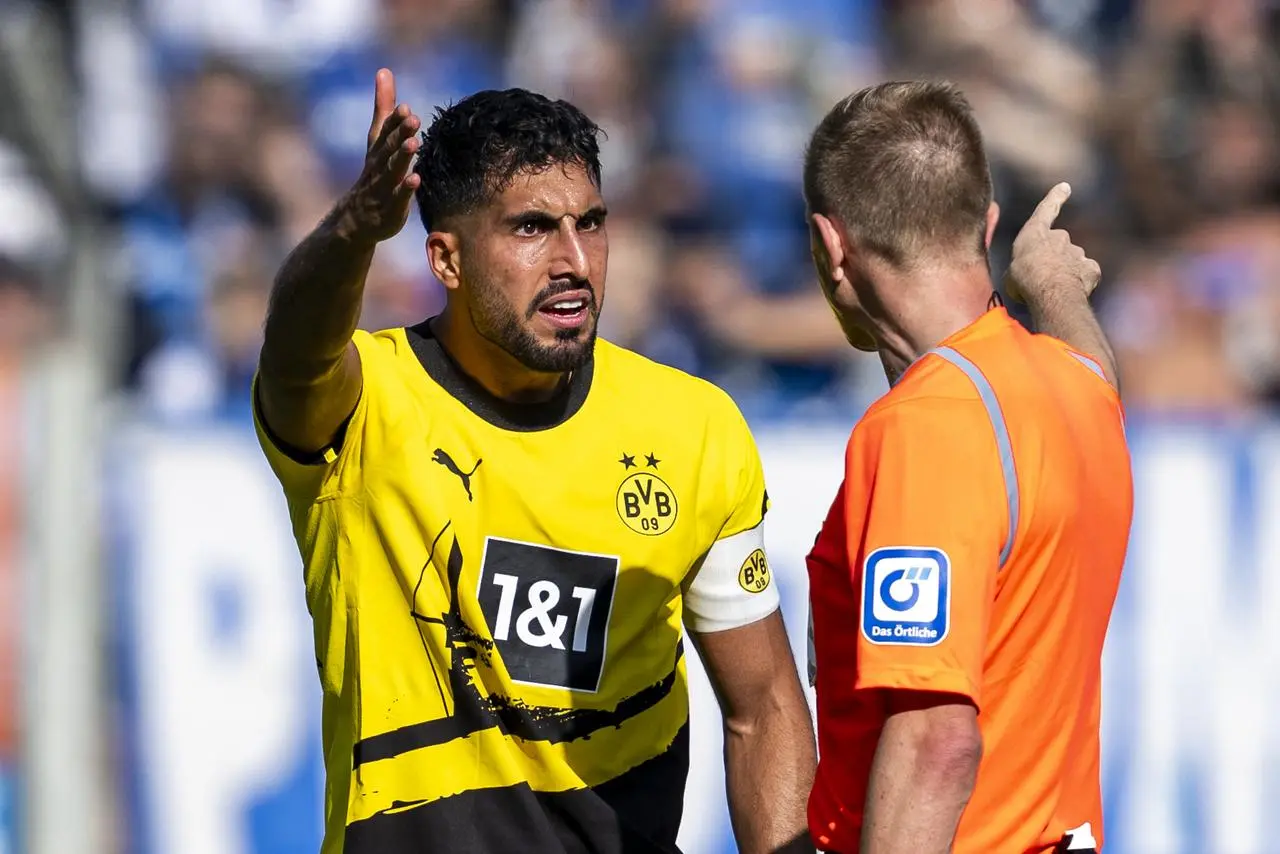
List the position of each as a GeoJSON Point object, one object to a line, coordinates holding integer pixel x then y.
{"type": "Point", "coordinates": [447, 461]}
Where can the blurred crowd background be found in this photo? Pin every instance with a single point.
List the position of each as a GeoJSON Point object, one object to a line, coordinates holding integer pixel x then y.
{"type": "Point", "coordinates": [209, 136]}
{"type": "Point", "coordinates": [158, 158]}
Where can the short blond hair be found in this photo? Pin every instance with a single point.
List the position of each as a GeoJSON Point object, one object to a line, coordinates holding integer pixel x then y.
{"type": "Point", "coordinates": [903, 166]}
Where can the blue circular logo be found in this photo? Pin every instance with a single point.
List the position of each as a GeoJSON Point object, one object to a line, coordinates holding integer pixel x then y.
{"type": "Point", "coordinates": [892, 601]}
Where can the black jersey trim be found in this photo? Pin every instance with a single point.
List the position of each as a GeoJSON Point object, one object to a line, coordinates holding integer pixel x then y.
{"type": "Point", "coordinates": [302, 458]}
{"type": "Point", "coordinates": [517, 417]}
{"type": "Point", "coordinates": [513, 718]}
{"type": "Point", "coordinates": [637, 812]}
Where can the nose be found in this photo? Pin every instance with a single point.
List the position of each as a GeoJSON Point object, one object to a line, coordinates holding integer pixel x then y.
{"type": "Point", "coordinates": [571, 256]}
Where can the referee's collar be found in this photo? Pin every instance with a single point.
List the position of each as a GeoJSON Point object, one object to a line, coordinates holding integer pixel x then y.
{"type": "Point", "coordinates": [521, 417]}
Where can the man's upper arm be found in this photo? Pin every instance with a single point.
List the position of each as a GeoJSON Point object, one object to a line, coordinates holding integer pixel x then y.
{"type": "Point", "coordinates": [733, 585]}
{"type": "Point", "coordinates": [305, 416]}
{"type": "Point", "coordinates": [310, 470]}
{"type": "Point", "coordinates": [927, 526]}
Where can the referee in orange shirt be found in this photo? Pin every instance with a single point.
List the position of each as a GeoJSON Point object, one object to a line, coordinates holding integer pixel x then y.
{"type": "Point", "coordinates": [964, 578]}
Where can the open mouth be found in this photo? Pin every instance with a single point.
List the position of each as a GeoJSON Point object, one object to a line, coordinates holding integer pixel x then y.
{"type": "Point", "coordinates": [567, 310]}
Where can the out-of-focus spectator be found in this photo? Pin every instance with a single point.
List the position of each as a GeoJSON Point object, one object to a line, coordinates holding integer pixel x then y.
{"type": "Point", "coordinates": [25, 320]}
{"type": "Point", "coordinates": [292, 175]}
{"type": "Point", "coordinates": [264, 34]}
{"type": "Point", "coordinates": [208, 377]}
{"type": "Point", "coordinates": [397, 294]}
{"type": "Point", "coordinates": [209, 196]}
{"type": "Point", "coordinates": [1163, 114]}
{"type": "Point", "coordinates": [440, 50]}
{"type": "Point", "coordinates": [588, 63]}
{"type": "Point", "coordinates": [1194, 126]}
{"type": "Point", "coordinates": [23, 324]}
{"type": "Point", "coordinates": [1194, 130]}
{"type": "Point", "coordinates": [1196, 326]}
{"type": "Point", "coordinates": [1035, 96]}
{"type": "Point", "coordinates": [1168, 334]}
{"type": "Point", "coordinates": [30, 225]}
{"type": "Point", "coordinates": [736, 105]}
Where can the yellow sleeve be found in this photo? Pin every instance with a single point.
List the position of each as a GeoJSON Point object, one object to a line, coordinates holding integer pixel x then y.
{"type": "Point", "coordinates": [732, 586]}
{"type": "Point", "coordinates": [748, 499]}
{"type": "Point", "coordinates": [336, 468]}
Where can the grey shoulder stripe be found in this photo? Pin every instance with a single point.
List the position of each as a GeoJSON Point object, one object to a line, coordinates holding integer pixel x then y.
{"type": "Point", "coordinates": [1090, 364]}
{"type": "Point", "coordinates": [1003, 443]}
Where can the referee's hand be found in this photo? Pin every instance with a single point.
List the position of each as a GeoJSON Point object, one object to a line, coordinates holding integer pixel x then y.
{"type": "Point", "coordinates": [377, 205]}
{"type": "Point", "coordinates": [1046, 265]}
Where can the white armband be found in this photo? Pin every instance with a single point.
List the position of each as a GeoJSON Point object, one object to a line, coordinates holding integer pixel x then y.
{"type": "Point", "coordinates": [733, 587]}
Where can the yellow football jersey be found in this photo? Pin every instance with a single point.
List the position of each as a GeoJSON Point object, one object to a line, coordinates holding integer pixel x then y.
{"type": "Point", "coordinates": [498, 593]}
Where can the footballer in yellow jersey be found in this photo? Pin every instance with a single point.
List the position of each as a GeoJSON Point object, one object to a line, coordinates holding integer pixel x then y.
{"type": "Point", "coordinates": [498, 595]}
{"type": "Point", "coordinates": [507, 526]}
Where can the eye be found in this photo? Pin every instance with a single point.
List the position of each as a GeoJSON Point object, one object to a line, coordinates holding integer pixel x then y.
{"type": "Point", "coordinates": [533, 226]}
{"type": "Point", "coordinates": [591, 222]}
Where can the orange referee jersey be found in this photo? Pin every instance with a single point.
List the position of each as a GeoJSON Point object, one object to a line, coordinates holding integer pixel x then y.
{"type": "Point", "coordinates": [975, 548]}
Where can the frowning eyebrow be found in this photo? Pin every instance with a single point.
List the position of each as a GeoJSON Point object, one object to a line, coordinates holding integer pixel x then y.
{"type": "Point", "coordinates": [545, 219]}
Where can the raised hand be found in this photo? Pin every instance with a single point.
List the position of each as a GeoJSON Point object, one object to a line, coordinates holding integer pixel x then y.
{"type": "Point", "coordinates": [377, 205]}
{"type": "Point", "coordinates": [1046, 265]}
{"type": "Point", "coordinates": [1055, 278]}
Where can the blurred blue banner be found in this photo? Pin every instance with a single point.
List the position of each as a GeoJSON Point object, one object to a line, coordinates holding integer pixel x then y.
{"type": "Point", "coordinates": [222, 701]}
{"type": "Point", "coordinates": [219, 685]}
{"type": "Point", "coordinates": [8, 810]}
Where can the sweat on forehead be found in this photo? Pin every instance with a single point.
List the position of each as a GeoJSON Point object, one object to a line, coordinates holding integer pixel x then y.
{"type": "Point", "coordinates": [475, 148]}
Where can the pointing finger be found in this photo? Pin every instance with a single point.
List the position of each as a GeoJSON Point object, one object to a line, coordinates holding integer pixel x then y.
{"type": "Point", "coordinates": [1050, 206]}
{"type": "Point", "coordinates": [384, 101]}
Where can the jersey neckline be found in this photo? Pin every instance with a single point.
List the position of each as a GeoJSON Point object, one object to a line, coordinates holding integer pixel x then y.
{"type": "Point", "coordinates": [503, 414]}
{"type": "Point", "coordinates": [990, 321]}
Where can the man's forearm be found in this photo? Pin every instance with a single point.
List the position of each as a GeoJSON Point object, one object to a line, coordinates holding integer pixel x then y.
{"type": "Point", "coordinates": [917, 792]}
{"type": "Point", "coordinates": [770, 764]}
{"type": "Point", "coordinates": [1055, 277]}
{"type": "Point", "coordinates": [1071, 319]}
{"type": "Point", "coordinates": [315, 303]}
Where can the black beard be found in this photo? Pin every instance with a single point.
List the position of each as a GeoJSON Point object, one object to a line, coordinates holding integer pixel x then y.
{"type": "Point", "coordinates": [501, 326]}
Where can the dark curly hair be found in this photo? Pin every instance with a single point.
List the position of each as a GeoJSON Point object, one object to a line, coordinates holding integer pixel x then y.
{"type": "Point", "coordinates": [475, 148]}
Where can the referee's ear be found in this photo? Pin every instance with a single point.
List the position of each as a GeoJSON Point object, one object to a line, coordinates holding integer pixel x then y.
{"type": "Point", "coordinates": [827, 243]}
{"type": "Point", "coordinates": [993, 217]}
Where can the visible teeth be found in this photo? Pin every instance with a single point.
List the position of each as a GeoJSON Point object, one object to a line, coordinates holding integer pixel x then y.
{"type": "Point", "coordinates": [569, 305]}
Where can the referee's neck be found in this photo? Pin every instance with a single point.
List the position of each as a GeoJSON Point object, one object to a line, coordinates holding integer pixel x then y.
{"type": "Point", "coordinates": [922, 308]}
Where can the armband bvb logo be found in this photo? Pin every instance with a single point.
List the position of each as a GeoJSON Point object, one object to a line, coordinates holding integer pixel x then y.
{"type": "Point", "coordinates": [753, 577]}
{"type": "Point", "coordinates": [645, 502]}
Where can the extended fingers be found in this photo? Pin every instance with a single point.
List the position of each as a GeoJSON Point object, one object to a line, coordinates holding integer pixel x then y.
{"type": "Point", "coordinates": [405, 190]}
{"type": "Point", "coordinates": [391, 126]}
{"type": "Point", "coordinates": [384, 102]}
{"type": "Point", "coordinates": [1050, 206]}
{"type": "Point", "coordinates": [402, 145]}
